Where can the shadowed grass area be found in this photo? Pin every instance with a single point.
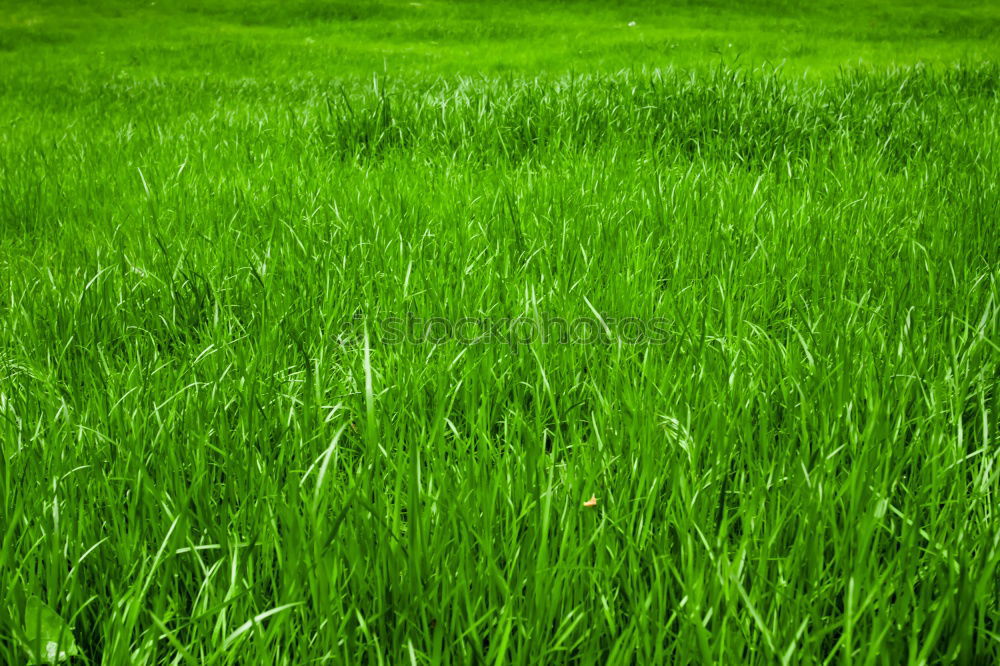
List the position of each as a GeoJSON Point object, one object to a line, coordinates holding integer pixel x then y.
{"type": "Point", "coordinates": [243, 417]}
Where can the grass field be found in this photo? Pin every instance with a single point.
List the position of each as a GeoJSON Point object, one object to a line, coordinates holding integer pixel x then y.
{"type": "Point", "coordinates": [321, 321]}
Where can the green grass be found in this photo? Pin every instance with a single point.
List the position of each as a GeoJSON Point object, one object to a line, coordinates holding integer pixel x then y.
{"type": "Point", "coordinates": [217, 450]}
{"type": "Point", "coordinates": [268, 39]}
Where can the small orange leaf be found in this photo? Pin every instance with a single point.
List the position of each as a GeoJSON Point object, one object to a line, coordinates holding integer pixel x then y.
{"type": "Point", "coordinates": [592, 501]}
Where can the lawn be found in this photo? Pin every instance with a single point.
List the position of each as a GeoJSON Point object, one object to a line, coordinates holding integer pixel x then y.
{"type": "Point", "coordinates": [321, 322]}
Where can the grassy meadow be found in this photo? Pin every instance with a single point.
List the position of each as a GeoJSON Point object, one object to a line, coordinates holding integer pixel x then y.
{"type": "Point", "coordinates": [320, 322]}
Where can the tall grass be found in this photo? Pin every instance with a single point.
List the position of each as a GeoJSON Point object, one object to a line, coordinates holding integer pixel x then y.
{"type": "Point", "coordinates": [211, 453]}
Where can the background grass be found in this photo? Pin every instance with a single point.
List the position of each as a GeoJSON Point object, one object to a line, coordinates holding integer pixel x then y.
{"type": "Point", "coordinates": [206, 220]}
{"type": "Point", "coordinates": [93, 39]}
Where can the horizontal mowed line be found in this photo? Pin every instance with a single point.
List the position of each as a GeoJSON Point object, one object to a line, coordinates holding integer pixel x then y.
{"type": "Point", "coordinates": [213, 452]}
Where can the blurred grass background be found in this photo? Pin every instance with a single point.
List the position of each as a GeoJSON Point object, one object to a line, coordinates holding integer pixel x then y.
{"type": "Point", "coordinates": [303, 37]}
